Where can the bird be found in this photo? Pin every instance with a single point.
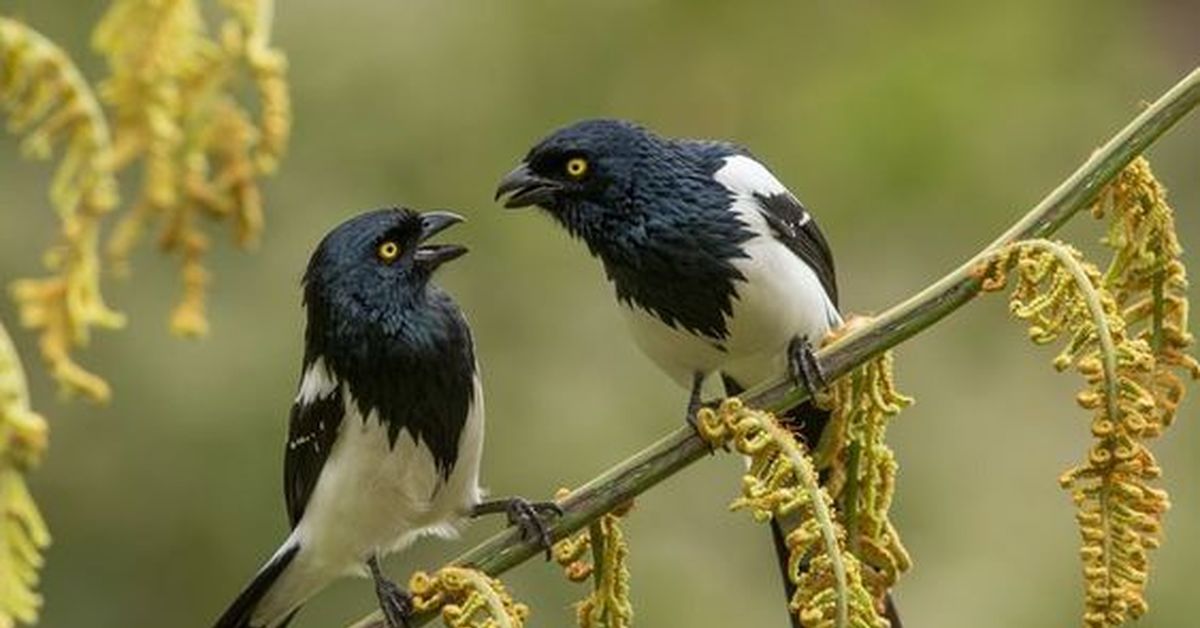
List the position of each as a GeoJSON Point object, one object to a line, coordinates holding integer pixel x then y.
{"type": "Point", "coordinates": [385, 434]}
{"type": "Point", "coordinates": [717, 267]}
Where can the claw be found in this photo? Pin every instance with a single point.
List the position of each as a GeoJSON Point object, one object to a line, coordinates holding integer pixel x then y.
{"type": "Point", "coordinates": [804, 367]}
{"type": "Point", "coordinates": [526, 516]}
{"type": "Point", "coordinates": [395, 603]}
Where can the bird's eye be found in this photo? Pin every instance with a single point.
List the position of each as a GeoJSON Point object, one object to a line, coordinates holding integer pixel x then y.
{"type": "Point", "coordinates": [388, 251]}
{"type": "Point", "coordinates": [577, 167]}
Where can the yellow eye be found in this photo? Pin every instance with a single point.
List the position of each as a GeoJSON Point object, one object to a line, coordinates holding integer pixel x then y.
{"type": "Point", "coordinates": [577, 167]}
{"type": "Point", "coordinates": [388, 251]}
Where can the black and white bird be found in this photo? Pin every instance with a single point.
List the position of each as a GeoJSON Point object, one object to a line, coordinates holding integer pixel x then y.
{"type": "Point", "coordinates": [386, 431]}
{"type": "Point", "coordinates": [718, 268]}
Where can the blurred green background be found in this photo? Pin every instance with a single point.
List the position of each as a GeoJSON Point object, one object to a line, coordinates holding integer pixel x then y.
{"type": "Point", "coordinates": [916, 132]}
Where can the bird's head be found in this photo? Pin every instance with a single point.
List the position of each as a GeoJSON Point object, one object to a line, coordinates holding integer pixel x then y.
{"type": "Point", "coordinates": [373, 266]}
{"type": "Point", "coordinates": [629, 193]}
{"type": "Point", "coordinates": [581, 173]}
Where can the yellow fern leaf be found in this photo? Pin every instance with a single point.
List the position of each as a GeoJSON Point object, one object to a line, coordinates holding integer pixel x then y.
{"type": "Point", "coordinates": [1064, 298]}
{"type": "Point", "coordinates": [23, 533]}
{"type": "Point", "coordinates": [49, 102]}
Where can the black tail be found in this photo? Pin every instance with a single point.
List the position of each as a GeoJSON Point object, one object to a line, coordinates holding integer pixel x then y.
{"type": "Point", "coordinates": [239, 613]}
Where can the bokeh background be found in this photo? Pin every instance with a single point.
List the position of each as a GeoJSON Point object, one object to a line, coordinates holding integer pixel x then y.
{"type": "Point", "coordinates": [916, 132]}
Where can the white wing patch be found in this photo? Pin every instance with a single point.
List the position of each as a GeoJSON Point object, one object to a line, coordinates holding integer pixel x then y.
{"type": "Point", "coordinates": [746, 177]}
{"type": "Point", "coordinates": [318, 382]}
{"type": "Point", "coordinates": [743, 175]}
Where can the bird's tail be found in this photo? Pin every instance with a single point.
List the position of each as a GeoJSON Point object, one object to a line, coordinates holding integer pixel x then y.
{"type": "Point", "coordinates": [242, 611]}
{"type": "Point", "coordinates": [806, 421]}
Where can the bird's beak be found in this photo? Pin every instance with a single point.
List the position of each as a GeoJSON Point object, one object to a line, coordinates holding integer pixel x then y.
{"type": "Point", "coordinates": [433, 255]}
{"type": "Point", "coordinates": [524, 188]}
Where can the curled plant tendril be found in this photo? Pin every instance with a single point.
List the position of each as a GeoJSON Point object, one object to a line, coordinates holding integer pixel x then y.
{"type": "Point", "coordinates": [1147, 277]}
{"type": "Point", "coordinates": [48, 101]}
{"type": "Point", "coordinates": [608, 604]}
{"type": "Point", "coordinates": [782, 482]}
{"type": "Point", "coordinates": [23, 533]}
{"type": "Point", "coordinates": [862, 468]}
{"type": "Point", "coordinates": [467, 599]}
{"type": "Point", "coordinates": [172, 90]}
{"type": "Point", "coordinates": [1125, 333]}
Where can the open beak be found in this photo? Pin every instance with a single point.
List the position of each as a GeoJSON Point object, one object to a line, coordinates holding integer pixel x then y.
{"type": "Point", "coordinates": [524, 188]}
{"type": "Point", "coordinates": [433, 255]}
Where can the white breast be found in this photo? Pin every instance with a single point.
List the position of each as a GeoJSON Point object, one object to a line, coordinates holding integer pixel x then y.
{"type": "Point", "coordinates": [372, 496]}
{"type": "Point", "coordinates": [782, 298]}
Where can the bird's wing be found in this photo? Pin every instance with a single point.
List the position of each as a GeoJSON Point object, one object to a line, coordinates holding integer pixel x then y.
{"type": "Point", "coordinates": [789, 221]}
{"type": "Point", "coordinates": [312, 429]}
{"type": "Point", "coordinates": [795, 228]}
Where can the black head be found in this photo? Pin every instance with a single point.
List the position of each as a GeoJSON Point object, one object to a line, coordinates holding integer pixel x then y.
{"type": "Point", "coordinates": [371, 265]}
{"type": "Point", "coordinates": [589, 162]}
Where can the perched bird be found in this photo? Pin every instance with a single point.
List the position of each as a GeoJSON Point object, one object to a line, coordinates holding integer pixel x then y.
{"type": "Point", "coordinates": [386, 431]}
{"type": "Point", "coordinates": [718, 268]}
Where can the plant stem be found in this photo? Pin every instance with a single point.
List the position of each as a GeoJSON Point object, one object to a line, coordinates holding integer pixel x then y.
{"type": "Point", "coordinates": [682, 447]}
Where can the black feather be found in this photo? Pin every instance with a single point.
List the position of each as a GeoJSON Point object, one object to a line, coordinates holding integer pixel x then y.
{"type": "Point", "coordinates": [312, 430]}
{"type": "Point", "coordinates": [239, 613]}
{"type": "Point", "coordinates": [796, 229]}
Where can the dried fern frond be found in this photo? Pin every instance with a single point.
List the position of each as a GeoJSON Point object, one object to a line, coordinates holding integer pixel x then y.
{"type": "Point", "coordinates": [467, 599]}
{"type": "Point", "coordinates": [608, 604]}
{"type": "Point", "coordinates": [782, 482]}
{"type": "Point", "coordinates": [23, 533]}
{"type": "Point", "coordinates": [174, 93]}
{"type": "Point", "coordinates": [862, 468]}
{"type": "Point", "coordinates": [49, 102]}
{"type": "Point", "coordinates": [1119, 510]}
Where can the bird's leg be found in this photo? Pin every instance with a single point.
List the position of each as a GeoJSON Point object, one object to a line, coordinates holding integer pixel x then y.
{"type": "Point", "coordinates": [804, 367]}
{"type": "Point", "coordinates": [693, 408]}
{"type": "Point", "coordinates": [527, 516]}
{"type": "Point", "coordinates": [694, 404]}
{"type": "Point", "coordinates": [396, 603]}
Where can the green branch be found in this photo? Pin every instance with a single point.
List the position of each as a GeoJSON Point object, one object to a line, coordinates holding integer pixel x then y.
{"type": "Point", "coordinates": [682, 447]}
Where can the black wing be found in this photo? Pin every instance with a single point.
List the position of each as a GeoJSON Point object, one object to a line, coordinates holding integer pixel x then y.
{"type": "Point", "coordinates": [312, 429]}
{"type": "Point", "coordinates": [797, 230]}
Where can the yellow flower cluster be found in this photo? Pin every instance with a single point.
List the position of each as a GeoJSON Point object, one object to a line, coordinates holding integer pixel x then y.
{"type": "Point", "coordinates": [1126, 334]}
{"type": "Point", "coordinates": [608, 604]}
{"type": "Point", "coordinates": [467, 599]}
{"type": "Point", "coordinates": [782, 483]}
{"type": "Point", "coordinates": [174, 110]}
{"type": "Point", "coordinates": [48, 102]}
{"type": "Point", "coordinates": [23, 533]}
{"type": "Point", "coordinates": [172, 92]}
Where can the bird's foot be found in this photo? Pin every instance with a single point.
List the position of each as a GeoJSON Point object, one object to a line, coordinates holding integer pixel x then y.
{"type": "Point", "coordinates": [804, 367]}
{"type": "Point", "coordinates": [528, 517]}
{"type": "Point", "coordinates": [395, 603]}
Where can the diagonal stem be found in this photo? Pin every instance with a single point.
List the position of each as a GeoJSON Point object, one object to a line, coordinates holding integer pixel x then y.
{"type": "Point", "coordinates": [682, 447]}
